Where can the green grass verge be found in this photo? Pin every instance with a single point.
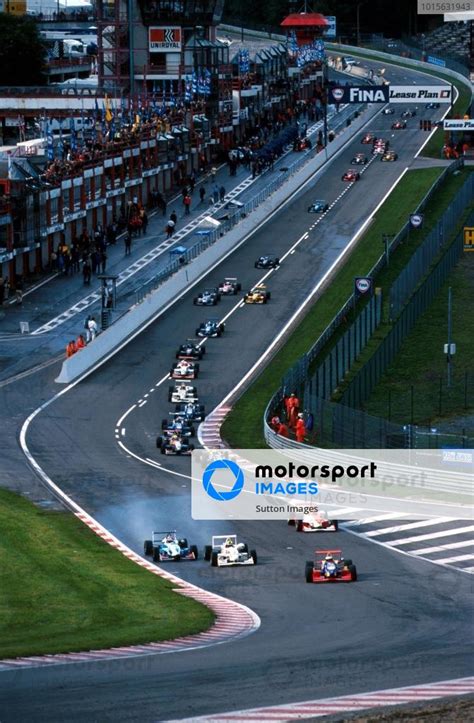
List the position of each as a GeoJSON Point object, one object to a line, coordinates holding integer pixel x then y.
{"type": "Point", "coordinates": [63, 589]}
{"type": "Point", "coordinates": [243, 426]}
{"type": "Point", "coordinates": [421, 362]}
{"type": "Point", "coordinates": [433, 148]}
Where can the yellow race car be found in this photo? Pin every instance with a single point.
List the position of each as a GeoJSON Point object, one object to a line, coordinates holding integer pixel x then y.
{"type": "Point", "coordinates": [257, 295]}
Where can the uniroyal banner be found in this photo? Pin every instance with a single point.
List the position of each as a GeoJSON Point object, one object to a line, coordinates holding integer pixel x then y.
{"type": "Point", "coordinates": [165, 39]}
{"type": "Point", "coordinates": [420, 93]}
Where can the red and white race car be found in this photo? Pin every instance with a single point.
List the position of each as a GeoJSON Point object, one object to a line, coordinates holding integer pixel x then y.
{"type": "Point", "coordinates": [317, 521]}
{"type": "Point", "coordinates": [351, 175]}
{"type": "Point", "coordinates": [330, 566]}
{"type": "Point", "coordinates": [184, 369]}
{"type": "Point", "coordinates": [399, 125]}
{"type": "Point", "coordinates": [368, 138]}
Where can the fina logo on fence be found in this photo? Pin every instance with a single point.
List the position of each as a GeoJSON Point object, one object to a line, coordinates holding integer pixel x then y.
{"type": "Point", "coordinates": [360, 94]}
{"type": "Point", "coordinates": [363, 284]}
{"type": "Point", "coordinates": [416, 220]}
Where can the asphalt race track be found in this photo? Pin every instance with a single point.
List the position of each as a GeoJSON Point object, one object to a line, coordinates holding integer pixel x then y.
{"type": "Point", "coordinates": [404, 622]}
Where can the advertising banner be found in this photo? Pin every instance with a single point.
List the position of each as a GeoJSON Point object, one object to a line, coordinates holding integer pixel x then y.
{"type": "Point", "coordinates": [420, 94]}
{"type": "Point", "coordinates": [165, 39]}
{"type": "Point", "coordinates": [359, 94]}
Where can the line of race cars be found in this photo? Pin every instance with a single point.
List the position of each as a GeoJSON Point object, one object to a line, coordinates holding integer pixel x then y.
{"type": "Point", "coordinates": [177, 430]}
{"type": "Point", "coordinates": [227, 551]}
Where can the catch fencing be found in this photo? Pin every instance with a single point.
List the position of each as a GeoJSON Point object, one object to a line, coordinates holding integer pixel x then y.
{"type": "Point", "coordinates": [366, 379]}
{"type": "Point", "coordinates": [418, 266]}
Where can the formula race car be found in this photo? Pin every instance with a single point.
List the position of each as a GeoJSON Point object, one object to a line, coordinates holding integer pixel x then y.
{"type": "Point", "coordinates": [257, 295]}
{"type": "Point", "coordinates": [432, 106]}
{"type": "Point", "coordinates": [318, 207]}
{"type": "Point", "coordinates": [229, 286]}
{"type": "Point", "coordinates": [208, 297]}
{"type": "Point", "coordinates": [225, 551]}
{"type": "Point", "coordinates": [184, 370]}
{"type": "Point", "coordinates": [380, 146]}
{"type": "Point", "coordinates": [389, 156]}
{"type": "Point", "coordinates": [360, 159]}
{"type": "Point", "coordinates": [179, 425]}
{"type": "Point", "coordinates": [351, 175]}
{"type": "Point", "coordinates": [190, 411]}
{"type": "Point", "coordinates": [267, 262]}
{"type": "Point", "coordinates": [315, 522]}
{"type": "Point", "coordinates": [182, 393]}
{"type": "Point", "coordinates": [190, 351]}
{"type": "Point", "coordinates": [409, 113]}
{"type": "Point", "coordinates": [368, 138]}
{"type": "Point", "coordinates": [210, 328]}
{"type": "Point", "coordinates": [330, 566]}
{"type": "Point", "coordinates": [165, 546]}
{"type": "Point", "coordinates": [388, 111]}
{"type": "Point", "coordinates": [399, 125]}
{"type": "Point", "coordinates": [174, 444]}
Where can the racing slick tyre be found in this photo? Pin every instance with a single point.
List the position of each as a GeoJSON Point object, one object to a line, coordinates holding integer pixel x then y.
{"type": "Point", "coordinates": [253, 555]}
{"type": "Point", "coordinates": [214, 559]}
{"type": "Point", "coordinates": [148, 547]}
{"type": "Point", "coordinates": [196, 369]}
{"type": "Point", "coordinates": [194, 551]}
{"type": "Point", "coordinates": [308, 573]}
{"type": "Point", "coordinates": [207, 552]}
{"type": "Point", "coordinates": [335, 523]}
{"type": "Point", "coordinates": [170, 393]}
{"type": "Point", "coordinates": [192, 431]}
{"type": "Point", "coordinates": [277, 262]}
{"type": "Point", "coordinates": [156, 555]}
{"type": "Point", "coordinates": [238, 287]}
{"type": "Point", "coordinates": [347, 563]}
{"type": "Point", "coordinates": [183, 542]}
{"type": "Point", "coordinates": [159, 441]}
{"type": "Point", "coordinates": [353, 571]}
{"type": "Point", "coordinates": [256, 265]}
{"type": "Point", "coordinates": [203, 350]}
{"type": "Point", "coordinates": [162, 449]}
{"type": "Point", "coordinates": [164, 423]}
{"type": "Point", "coordinates": [195, 301]}
{"type": "Point", "coordinates": [299, 526]}
{"type": "Point", "coordinates": [268, 295]}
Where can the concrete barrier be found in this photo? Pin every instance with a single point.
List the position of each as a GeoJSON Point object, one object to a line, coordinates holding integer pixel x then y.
{"type": "Point", "coordinates": [157, 302]}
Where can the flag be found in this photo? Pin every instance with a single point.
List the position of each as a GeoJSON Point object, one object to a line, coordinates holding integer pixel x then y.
{"type": "Point", "coordinates": [188, 94]}
{"type": "Point", "coordinates": [60, 142]}
{"type": "Point", "coordinates": [73, 135]}
{"type": "Point", "coordinates": [50, 142]}
{"type": "Point", "coordinates": [108, 109]}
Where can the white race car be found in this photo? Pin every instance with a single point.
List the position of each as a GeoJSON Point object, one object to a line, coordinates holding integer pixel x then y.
{"type": "Point", "coordinates": [184, 369]}
{"type": "Point", "coordinates": [316, 521]}
{"type": "Point", "coordinates": [182, 392]}
{"type": "Point", "coordinates": [225, 551]}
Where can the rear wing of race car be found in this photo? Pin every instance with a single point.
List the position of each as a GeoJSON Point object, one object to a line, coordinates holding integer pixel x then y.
{"type": "Point", "coordinates": [230, 279]}
{"type": "Point", "coordinates": [160, 535]}
{"type": "Point", "coordinates": [327, 552]}
{"type": "Point", "coordinates": [218, 540]}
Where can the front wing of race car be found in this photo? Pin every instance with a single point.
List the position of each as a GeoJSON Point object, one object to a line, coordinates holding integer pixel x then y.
{"type": "Point", "coordinates": [344, 576]}
{"type": "Point", "coordinates": [223, 561]}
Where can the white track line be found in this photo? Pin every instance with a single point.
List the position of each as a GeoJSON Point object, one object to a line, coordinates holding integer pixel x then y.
{"type": "Point", "coordinates": [430, 536]}
{"type": "Point", "coordinates": [442, 548]}
{"type": "Point", "coordinates": [410, 526]}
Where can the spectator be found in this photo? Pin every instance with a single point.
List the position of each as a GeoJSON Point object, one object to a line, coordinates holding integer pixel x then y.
{"type": "Point", "coordinates": [87, 272]}
{"type": "Point", "coordinates": [93, 328]}
{"type": "Point", "coordinates": [282, 430]}
{"type": "Point", "coordinates": [80, 342]}
{"type": "Point", "coordinates": [128, 243]}
{"type": "Point", "coordinates": [19, 289]}
{"type": "Point", "coordinates": [202, 194]}
{"type": "Point", "coordinates": [144, 220]}
{"type": "Point", "coordinates": [215, 194]}
{"type": "Point", "coordinates": [187, 204]}
{"type": "Point", "coordinates": [174, 217]}
{"type": "Point", "coordinates": [170, 228]}
{"type": "Point", "coordinates": [86, 327]}
{"type": "Point", "coordinates": [103, 262]}
{"type": "Point", "coordinates": [213, 173]}
{"type": "Point", "coordinates": [222, 193]}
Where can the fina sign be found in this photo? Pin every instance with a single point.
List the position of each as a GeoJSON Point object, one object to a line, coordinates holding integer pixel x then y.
{"type": "Point", "coordinates": [363, 284]}
{"type": "Point", "coordinates": [416, 220]}
{"type": "Point", "coordinates": [164, 39]}
{"type": "Point", "coordinates": [420, 93]}
{"type": "Point", "coordinates": [360, 94]}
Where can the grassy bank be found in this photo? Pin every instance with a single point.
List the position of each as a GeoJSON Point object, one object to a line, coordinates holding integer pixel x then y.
{"type": "Point", "coordinates": [63, 589]}
{"type": "Point", "coordinates": [421, 362]}
{"type": "Point", "coordinates": [243, 427]}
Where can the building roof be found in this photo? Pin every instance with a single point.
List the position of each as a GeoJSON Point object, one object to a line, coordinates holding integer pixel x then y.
{"type": "Point", "coordinates": [298, 20]}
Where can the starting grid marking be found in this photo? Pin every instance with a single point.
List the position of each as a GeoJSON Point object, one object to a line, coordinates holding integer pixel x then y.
{"type": "Point", "coordinates": [345, 704]}
{"type": "Point", "coordinates": [152, 255]}
{"type": "Point", "coordinates": [233, 620]}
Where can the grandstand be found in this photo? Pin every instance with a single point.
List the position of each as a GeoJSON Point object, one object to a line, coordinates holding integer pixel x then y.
{"type": "Point", "coordinates": [449, 39]}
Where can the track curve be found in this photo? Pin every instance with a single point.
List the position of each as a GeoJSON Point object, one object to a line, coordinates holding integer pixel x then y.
{"type": "Point", "coordinates": [394, 628]}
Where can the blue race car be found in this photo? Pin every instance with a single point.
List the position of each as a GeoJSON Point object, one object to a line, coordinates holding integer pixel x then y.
{"type": "Point", "coordinates": [169, 547]}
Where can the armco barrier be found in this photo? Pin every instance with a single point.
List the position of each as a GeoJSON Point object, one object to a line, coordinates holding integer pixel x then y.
{"type": "Point", "coordinates": [157, 301]}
